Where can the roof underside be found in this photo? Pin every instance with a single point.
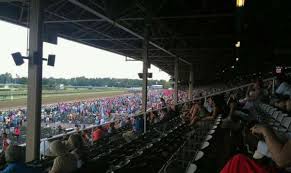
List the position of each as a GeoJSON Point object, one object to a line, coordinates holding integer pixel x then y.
{"type": "Point", "coordinates": [200, 32]}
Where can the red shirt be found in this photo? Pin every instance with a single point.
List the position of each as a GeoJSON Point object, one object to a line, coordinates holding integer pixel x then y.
{"type": "Point", "coordinates": [17, 131]}
{"type": "Point", "coordinates": [96, 135]}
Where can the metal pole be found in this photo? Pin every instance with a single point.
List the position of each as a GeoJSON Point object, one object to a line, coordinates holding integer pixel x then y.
{"type": "Point", "coordinates": [34, 81]}
{"type": "Point", "coordinates": [273, 86]}
{"type": "Point", "coordinates": [145, 74]}
{"type": "Point", "coordinates": [176, 80]}
{"type": "Point", "coordinates": [191, 80]}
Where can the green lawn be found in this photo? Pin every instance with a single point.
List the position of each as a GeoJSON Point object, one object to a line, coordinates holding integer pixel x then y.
{"type": "Point", "coordinates": [62, 96]}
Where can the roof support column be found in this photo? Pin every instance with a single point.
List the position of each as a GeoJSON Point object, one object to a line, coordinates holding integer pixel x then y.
{"type": "Point", "coordinates": [191, 81]}
{"type": "Point", "coordinates": [145, 74]}
{"type": "Point", "coordinates": [34, 80]}
{"type": "Point", "coordinates": [176, 80]}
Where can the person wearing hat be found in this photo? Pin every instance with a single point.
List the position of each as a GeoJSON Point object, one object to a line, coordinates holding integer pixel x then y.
{"type": "Point", "coordinates": [75, 145]}
{"type": "Point", "coordinates": [14, 163]}
{"type": "Point", "coordinates": [64, 162]}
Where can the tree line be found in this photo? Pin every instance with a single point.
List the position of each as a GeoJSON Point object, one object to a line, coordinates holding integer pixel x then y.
{"type": "Point", "coordinates": [83, 81]}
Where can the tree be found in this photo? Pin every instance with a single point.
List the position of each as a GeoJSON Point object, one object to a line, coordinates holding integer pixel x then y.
{"type": "Point", "coordinates": [83, 81]}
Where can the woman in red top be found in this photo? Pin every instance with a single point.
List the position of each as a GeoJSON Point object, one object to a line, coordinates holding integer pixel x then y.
{"type": "Point", "coordinates": [281, 155]}
{"type": "Point", "coordinates": [17, 133]}
{"type": "Point", "coordinates": [97, 134]}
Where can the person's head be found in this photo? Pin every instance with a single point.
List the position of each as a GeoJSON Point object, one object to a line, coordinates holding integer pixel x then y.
{"type": "Point", "coordinates": [4, 135]}
{"type": "Point", "coordinates": [75, 141]}
{"type": "Point", "coordinates": [112, 124]}
{"type": "Point", "coordinates": [259, 83]}
{"type": "Point", "coordinates": [210, 101]}
{"type": "Point", "coordinates": [57, 148]}
{"type": "Point", "coordinates": [13, 153]}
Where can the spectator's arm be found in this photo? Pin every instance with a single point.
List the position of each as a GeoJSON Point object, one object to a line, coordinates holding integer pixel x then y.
{"type": "Point", "coordinates": [281, 153]}
{"type": "Point", "coordinates": [231, 109]}
{"type": "Point", "coordinates": [56, 166]}
{"type": "Point", "coordinates": [212, 115]}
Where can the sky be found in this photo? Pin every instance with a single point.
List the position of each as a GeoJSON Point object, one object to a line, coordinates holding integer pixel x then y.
{"type": "Point", "coordinates": [72, 59]}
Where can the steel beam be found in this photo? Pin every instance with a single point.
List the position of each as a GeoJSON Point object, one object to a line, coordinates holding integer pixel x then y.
{"type": "Point", "coordinates": [191, 81]}
{"type": "Point", "coordinates": [145, 74]}
{"type": "Point", "coordinates": [141, 18]}
{"type": "Point", "coordinates": [176, 74]}
{"type": "Point", "coordinates": [162, 38]}
{"type": "Point", "coordinates": [114, 23]}
{"type": "Point", "coordinates": [34, 80]}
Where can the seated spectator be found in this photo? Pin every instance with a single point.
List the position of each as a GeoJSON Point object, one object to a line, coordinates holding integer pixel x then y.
{"type": "Point", "coordinates": [112, 129]}
{"type": "Point", "coordinates": [284, 87]}
{"type": "Point", "coordinates": [283, 103]}
{"type": "Point", "coordinates": [14, 163]}
{"type": "Point", "coordinates": [75, 143]}
{"type": "Point", "coordinates": [280, 154]}
{"type": "Point", "coordinates": [97, 134]}
{"type": "Point", "coordinates": [152, 119]}
{"type": "Point", "coordinates": [197, 112]}
{"type": "Point", "coordinates": [64, 162]}
{"type": "Point", "coordinates": [85, 136]}
{"type": "Point", "coordinates": [215, 107]}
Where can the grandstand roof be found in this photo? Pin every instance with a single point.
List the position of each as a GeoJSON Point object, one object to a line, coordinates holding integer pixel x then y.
{"type": "Point", "coordinates": [200, 32]}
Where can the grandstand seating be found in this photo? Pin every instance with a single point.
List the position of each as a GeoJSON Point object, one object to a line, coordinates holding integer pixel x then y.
{"type": "Point", "coordinates": [170, 145]}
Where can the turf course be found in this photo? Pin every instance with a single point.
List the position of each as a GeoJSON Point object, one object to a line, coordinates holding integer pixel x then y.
{"type": "Point", "coordinates": [50, 97]}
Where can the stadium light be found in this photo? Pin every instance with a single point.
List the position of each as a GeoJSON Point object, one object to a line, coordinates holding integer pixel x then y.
{"type": "Point", "coordinates": [232, 67]}
{"type": "Point", "coordinates": [240, 3]}
{"type": "Point", "coordinates": [18, 59]}
{"type": "Point", "coordinates": [237, 44]}
{"type": "Point", "coordinates": [236, 59]}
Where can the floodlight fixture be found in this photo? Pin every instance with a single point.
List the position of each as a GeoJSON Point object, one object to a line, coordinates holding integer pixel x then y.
{"type": "Point", "coordinates": [18, 59]}
{"type": "Point", "coordinates": [51, 60]}
{"type": "Point", "coordinates": [140, 75]}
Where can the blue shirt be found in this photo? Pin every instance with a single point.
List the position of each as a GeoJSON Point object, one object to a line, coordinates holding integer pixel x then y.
{"type": "Point", "coordinates": [18, 167]}
{"type": "Point", "coordinates": [138, 125]}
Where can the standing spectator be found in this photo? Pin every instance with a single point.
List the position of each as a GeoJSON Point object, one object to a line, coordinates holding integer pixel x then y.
{"type": "Point", "coordinates": [5, 141]}
{"type": "Point", "coordinates": [17, 133]}
{"type": "Point", "coordinates": [164, 104]}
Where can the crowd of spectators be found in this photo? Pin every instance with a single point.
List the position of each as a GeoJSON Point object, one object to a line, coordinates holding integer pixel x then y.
{"type": "Point", "coordinates": [119, 111]}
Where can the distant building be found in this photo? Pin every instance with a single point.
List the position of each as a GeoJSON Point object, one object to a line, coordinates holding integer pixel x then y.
{"type": "Point", "coordinates": [157, 87]}
{"type": "Point", "coordinates": [61, 86]}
